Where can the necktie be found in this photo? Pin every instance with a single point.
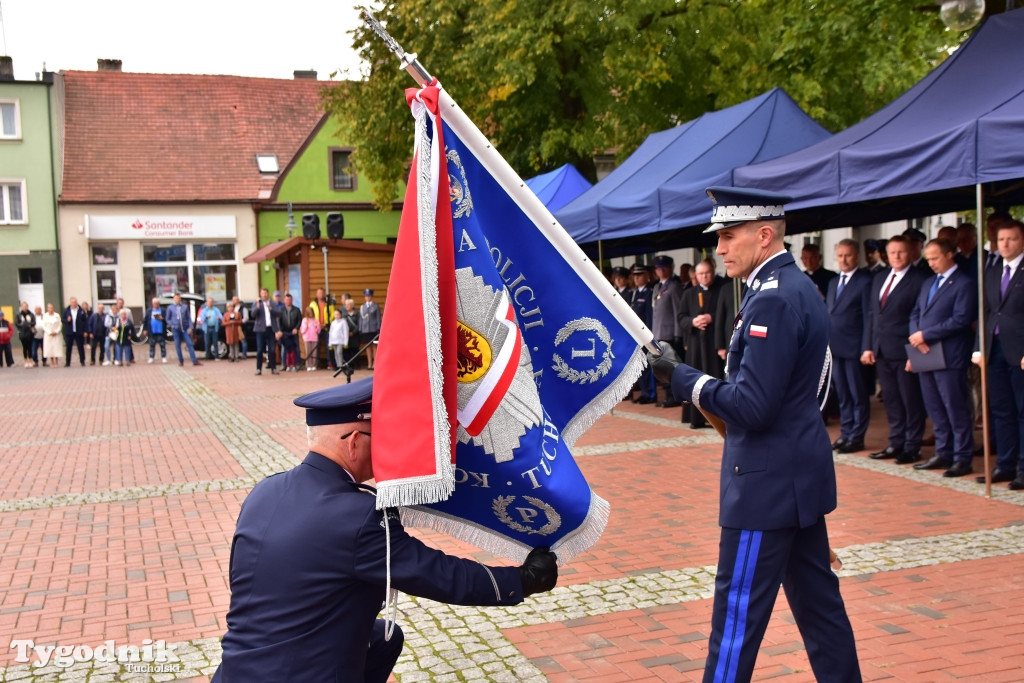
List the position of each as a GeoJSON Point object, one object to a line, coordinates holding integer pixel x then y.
{"type": "Point", "coordinates": [885, 294]}
{"type": "Point", "coordinates": [842, 284]}
{"type": "Point", "coordinates": [1005, 284]}
{"type": "Point", "coordinates": [935, 288]}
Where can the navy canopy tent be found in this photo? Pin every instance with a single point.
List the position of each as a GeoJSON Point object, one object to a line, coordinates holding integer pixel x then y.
{"type": "Point", "coordinates": [559, 187]}
{"type": "Point", "coordinates": [924, 153]}
{"type": "Point", "coordinates": [647, 202]}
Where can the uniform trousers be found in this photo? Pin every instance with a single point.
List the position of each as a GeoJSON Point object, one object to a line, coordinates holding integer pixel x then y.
{"type": "Point", "coordinates": [904, 407]}
{"type": "Point", "coordinates": [1006, 405]}
{"type": "Point", "coordinates": [381, 658]}
{"type": "Point", "coordinates": [751, 565]}
{"type": "Point", "coordinates": [945, 396]}
{"type": "Point", "coordinates": [854, 408]}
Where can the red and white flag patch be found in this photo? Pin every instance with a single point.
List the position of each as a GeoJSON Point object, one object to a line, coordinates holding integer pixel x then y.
{"type": "Point", "coordinates": [759, 331]}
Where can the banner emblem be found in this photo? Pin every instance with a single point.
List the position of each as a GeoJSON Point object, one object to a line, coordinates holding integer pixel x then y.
{"type": "Point", "coordinates": [584, 347]}
{"type": "Point", "coordinates": [528, 515]}
{"type": "Point", "coordinates": [459, 190]}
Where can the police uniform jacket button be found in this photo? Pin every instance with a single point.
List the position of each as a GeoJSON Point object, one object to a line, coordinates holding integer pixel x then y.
{"type": "Point", "coordinates": [511, 594]}
{"type": "Point", "coordinates": [736, 469]}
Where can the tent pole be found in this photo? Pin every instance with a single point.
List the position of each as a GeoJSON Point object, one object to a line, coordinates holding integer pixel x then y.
{"type": "Point", "coordinates": [600, 258]}
{"type": "Point", "coordinates": [983, 366]}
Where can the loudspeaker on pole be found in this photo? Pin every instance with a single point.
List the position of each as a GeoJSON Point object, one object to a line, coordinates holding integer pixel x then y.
{"type": "Point", "coordinates": [311, 226]}
{"type": "Point", "coordinates": [335, 226]}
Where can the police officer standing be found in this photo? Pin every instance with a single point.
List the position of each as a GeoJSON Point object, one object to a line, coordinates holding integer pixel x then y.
{"type": "Point", "coordinates": [309, 562]}
{"type": "Point", "coordinates": [778, 480]}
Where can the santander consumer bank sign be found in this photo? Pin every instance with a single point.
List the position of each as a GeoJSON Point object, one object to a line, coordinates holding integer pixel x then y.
{"type": "Point", "coordinates": [146, 227]}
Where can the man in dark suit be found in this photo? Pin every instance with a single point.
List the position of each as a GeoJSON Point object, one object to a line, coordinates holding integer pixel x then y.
{"type": "Point", "coordinates": [699, 317]}
{"type": "Point", "coordinates": [810, 256]}
{"type": "Point", "coordinates": [943, 317]}
{"type": "Point", "coordinates": [311, 558]}
{"type": "Point", "coordinates": [1004, 342]}
{"type": "Point", "coordinates": [75, 324]}
{"type": "Point", "coordinates": [915, 245]}
{"type": "Point", "coordinates": [266, 324]}
{"type": "Point", "coordinates": [642, 305]}
{"type": "Point", "coordinates": [848, 300]}
{"type": "Point", "coordinates": [778, 480]}
{"type": "Point", "coordinates": [668, 324]}
{"type": "Point", "coordinates": [893, 295]}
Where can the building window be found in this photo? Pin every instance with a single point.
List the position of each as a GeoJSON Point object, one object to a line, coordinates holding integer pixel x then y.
{"type": "Point", "coordinates": [267, 163]}
{"type": "Point", "coordinates": [12, 202]}
{"type": "Point", "coordinates": [30, 276]}
{"type": "Point", "coordinates": [343, 175]}
{"type": "Point", "coordinates": [209, 270]}
{"type": "Point", "coordinates": [10, 119]}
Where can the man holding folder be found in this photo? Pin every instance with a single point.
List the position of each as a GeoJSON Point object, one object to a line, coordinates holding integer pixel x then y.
{"type": "Point", "coordinates": [939, 352]}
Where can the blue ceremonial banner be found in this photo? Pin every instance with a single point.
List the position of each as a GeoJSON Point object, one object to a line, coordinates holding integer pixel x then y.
{"type": "Point", "coordinates": [539, 357]}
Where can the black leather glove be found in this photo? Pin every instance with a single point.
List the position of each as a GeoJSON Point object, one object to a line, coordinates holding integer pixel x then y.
{"type": "Point", "coordinates": [539, 572]}
{"type": "Point", "coordinates": [664, 365]}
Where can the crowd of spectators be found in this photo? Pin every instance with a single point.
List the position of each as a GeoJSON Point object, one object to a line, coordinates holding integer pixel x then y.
{"type": "Point", "coordinates": [319, 335]}
{"type": "Point", "coordinates": [904, 327]}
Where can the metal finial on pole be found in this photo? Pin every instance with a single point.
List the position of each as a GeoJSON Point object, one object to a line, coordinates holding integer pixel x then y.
{"type": "Point", "coordinates": [408, 59]}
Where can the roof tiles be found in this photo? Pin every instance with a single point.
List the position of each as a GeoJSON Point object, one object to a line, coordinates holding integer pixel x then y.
{"type": "Point", "coordinates": [134, 137]}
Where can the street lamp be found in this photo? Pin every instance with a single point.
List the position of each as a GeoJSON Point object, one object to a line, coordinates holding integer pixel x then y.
{"type": "Point", "coordinates": [961, 15]}
{"type": "Point", "coordinates": [290, 225]}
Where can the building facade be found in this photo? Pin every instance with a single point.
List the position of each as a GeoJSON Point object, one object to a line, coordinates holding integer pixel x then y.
{"type": "Point", "coordinates": [162, 175]}
{"type": "Point", "coordinates": [29, 163]}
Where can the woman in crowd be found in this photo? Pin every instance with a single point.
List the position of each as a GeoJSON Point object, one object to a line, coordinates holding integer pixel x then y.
{"type": "Point", "coordinates": [338, 337]}
{"type": "Point", "coordinates": [310, 331]}
{"type": "Point", "coordinates": [53, 340]}
{"type": "Point", "coordinates": [125, 330]}
{"type": "Point", "coordinates": [26, 323]}
{"type": "Point", "coordinates": [232, 330]}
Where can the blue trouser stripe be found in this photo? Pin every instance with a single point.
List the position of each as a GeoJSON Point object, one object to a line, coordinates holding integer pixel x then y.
{"type": "Point", "coordinates": [738, 603]}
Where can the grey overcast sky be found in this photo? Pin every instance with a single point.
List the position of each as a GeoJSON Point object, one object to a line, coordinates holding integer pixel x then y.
{"type": "Point", "coordinates": [244, 38]}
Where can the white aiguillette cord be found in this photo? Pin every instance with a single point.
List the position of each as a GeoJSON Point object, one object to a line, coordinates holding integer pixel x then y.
{"type": "Point", "coordinates": [390, 595]}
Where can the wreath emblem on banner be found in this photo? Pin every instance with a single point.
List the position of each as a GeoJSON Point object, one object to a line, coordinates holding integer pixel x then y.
{"type": "Point", "coordinates": [459, 192]}
{"type": "Point", "coordinates": [500, 507]}
{"type": "Point", "coordinates": [567, 372]}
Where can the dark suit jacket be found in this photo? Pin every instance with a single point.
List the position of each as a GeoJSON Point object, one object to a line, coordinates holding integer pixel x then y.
{"type": "Point", "coordinates": [847, 316]}
{"type": "Point", "coordinates": [948, 318]}
{"type": "Point", "coordinates": [81, 322]}
{"type": "Point", "coordinates": [886, 332]}
{"type": "Point", "coordinates": [821, 277]}
{"type": "Point", "coordinates": [307, 575]}
{"type": "Point", "coordinates": [777, 469]}
{"type": "Point", "coordinates": [259, 319]}
{"type": "Point", "coordinates": [1006, 312]}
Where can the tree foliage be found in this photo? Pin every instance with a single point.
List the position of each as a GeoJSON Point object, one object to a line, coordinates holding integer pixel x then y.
{"type": "Point", "coordinates": [556, 81]}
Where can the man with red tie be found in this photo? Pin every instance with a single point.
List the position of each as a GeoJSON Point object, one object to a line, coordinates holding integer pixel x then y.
{"type": "Point", "coordinates": [893, 295]}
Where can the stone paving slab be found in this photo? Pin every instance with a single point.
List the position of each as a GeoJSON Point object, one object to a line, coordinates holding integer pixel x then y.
{"type": "Point", "coordinates": [931, 577]}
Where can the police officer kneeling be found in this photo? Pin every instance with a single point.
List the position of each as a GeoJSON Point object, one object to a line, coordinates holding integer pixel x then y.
{"type": "Point", "coordinates": [308, 562]}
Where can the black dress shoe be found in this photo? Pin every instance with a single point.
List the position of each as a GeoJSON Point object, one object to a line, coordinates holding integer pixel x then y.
{"type": "Point", "coordinates": [998, 475]}
{"type": "Point", "coordinates": [934, 463]}
{"type": "Point", "coordinates": [669, 404]}
{"type": "Point", "coordinates": [644, 399]}
{"type": "Point", "coordinates": [259, 372]}
{"type": "Point", "coordinates": [851, 447]}
{"type": "Point", "coordinates": [839, 443]}
{"type": "Point", "coordinates": [908, 457]}
{"type": "Point", "coordinates": [887, 453]}
{"type": "Point", "coordinates": [959, 469]}
{"type": "Point", "coordinates": [1018, 483]}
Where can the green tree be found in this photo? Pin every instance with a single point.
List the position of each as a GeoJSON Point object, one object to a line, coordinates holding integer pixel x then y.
{"type": "Point", "coordinates": [553, 82]}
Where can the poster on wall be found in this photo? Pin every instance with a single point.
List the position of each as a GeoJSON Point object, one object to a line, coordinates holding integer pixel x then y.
{"type": "Point", "coordinates": [216, 286]}
{"type": "Point", "coordinates": [295, 285]}
{"type": "Point", "coordinates": [166, 284]}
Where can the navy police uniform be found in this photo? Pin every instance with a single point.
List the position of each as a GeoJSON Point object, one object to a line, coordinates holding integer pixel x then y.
{"type": "Point", "coordinates": [308, 571]}
{"type": "Point", "coordinates": [643, 305]}
{"type": "Point", "coordinates": [778, 480]}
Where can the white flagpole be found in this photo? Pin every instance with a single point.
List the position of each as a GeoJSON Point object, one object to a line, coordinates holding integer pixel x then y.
{"type": "Point", "coordinates": [516, 188]}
